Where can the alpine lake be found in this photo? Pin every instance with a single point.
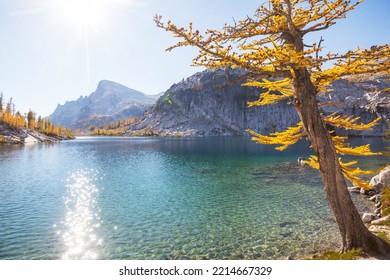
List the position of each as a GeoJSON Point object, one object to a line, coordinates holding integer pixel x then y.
{"type": "Point", "coordinates": [165, 198]}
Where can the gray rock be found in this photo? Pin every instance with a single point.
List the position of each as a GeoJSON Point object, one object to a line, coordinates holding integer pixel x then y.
{"type": "Point", "coordinates": [211, 103]}
{"type": "Point", "coordinates": [373, 198]}
{"type": "Point", "coordinates": [368, 217]}
{"type": "Point", "coordinates": [301, 161]}
{"type": "Point", "coordinates": [371, 192]}
{"type": "Point", "coordinates": [108, 103]}
{"type": "Point", "coordinates": [24, 135]}
{"type": "Point", "coordinates": [363, 191]}
{"type": "Point", "coordinates": [376, 184]}
{"type": "Point", "coordinates": [377, 211]}
{"type": "Point", "coordinates": [354, 189]}
{"type": "Point", "coordinates": [374, 180]}
{"type": "Point", "coordinates": [381, 220]}
{"type": "Point", "coordinates": [384, 177]}
{"type": "Point", "coordinates": [381, 180]}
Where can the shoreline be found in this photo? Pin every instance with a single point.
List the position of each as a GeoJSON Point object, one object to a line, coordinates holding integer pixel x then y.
{"type": "Point", "coordinates": [21, 136]}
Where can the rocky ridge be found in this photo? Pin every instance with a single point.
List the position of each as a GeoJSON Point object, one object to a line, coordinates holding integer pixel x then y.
{"type": "Point", "coordinates": [377, 220]}
{"type": "Point", "coordinates": [109, 102]}
{"type": "Point", "coordinates": [211, 103]}
{"type": "Point", "coordinates": [214, 103]}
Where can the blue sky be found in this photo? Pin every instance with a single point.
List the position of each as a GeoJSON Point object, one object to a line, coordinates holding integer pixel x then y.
{"type": "Point", "coordinates": [51, 52]}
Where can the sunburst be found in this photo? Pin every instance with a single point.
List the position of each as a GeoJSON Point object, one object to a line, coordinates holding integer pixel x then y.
{"type": "Point", "coordinates": [83, 15]}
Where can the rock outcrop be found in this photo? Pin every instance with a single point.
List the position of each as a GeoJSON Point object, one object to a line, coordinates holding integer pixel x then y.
{"type": "Point", "coordinates": [381, 180]}
{"type": "Point", "coordinates": [11, 135]}
{"type": "Point", "coordinates": [109, 102]}
{"type": "Point", "coordinates": [212, 103]}
{"type": "Point", "coordinates": [361, 98]}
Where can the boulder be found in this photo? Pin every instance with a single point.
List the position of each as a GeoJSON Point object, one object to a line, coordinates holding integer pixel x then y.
{"type": "Point", "coordinates": [374, 198]}
{"type": "Point", "coordinates": [381, 220]}
{"type": "Point", "coordinates": [354, 189]}
{"type": "Point", "coordinates": [381, 180]}
{"type": "Point", "coordinates": [374, 180]}
{"type": "Point", "coordinates": [301, 161]}
{"type": "Point", "coordinates": [372, 192]}
{"type": "Point", "coordinates": [368, 217]}
{"type": "Point", "coordinates": [365, 192]}
{"type": "Point", "coordinates": [384, 176]}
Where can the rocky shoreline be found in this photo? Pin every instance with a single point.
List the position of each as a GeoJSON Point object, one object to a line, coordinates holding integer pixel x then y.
{"type": "Point", "coordinates": [376, 221]}
{"type": "Point", "coordinates": [9, 135]}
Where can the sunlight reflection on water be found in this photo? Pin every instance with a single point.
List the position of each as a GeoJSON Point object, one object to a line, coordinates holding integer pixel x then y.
{"type": "Point", "coordinates": [82, 216]}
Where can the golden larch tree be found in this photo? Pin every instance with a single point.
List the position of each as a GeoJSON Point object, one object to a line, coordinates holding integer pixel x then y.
{"type": "Point", "coordinates": [270, 46]}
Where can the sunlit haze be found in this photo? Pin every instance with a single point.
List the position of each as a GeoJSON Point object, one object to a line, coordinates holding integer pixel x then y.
{"type": "Point", "coordinates": [52, 51]}
{"type": "Point", "coordinates": [83, 14]}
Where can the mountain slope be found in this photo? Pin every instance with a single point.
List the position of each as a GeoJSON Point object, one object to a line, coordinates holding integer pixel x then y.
{"type": "Point", "coordinates": [211, 103]}
{"type": "Point", "coordinates": [109, 102]}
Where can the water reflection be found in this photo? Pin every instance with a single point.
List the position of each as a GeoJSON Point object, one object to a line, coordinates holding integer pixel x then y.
{"type": "Point", "coordinates": [82, 216]}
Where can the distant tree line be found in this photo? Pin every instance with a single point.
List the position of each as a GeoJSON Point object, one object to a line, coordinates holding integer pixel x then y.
{"type": "Point", "coordinates": [16, 119]}
{"type": "Point", "coordinates": [112, 128]}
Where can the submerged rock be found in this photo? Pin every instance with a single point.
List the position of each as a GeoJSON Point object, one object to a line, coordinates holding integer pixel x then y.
{"type": "Point", "coordinates": [284, 224]}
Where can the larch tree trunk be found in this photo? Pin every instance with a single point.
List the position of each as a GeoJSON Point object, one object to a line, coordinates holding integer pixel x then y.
{"type": "Point", "coordinates": [353, 232]}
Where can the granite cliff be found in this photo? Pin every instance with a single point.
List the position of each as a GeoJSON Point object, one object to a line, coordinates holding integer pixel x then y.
{"type": "Point", "coordinates": [212, 103]}
{"type": "Point", "coordinates": [109, 102]}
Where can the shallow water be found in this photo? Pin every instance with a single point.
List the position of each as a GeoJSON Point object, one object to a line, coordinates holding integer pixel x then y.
{"type": "Point", "coordinates": [149, 198]}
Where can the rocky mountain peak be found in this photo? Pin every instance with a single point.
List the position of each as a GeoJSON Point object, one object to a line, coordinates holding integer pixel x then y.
{"type": "Point", "coordinates": [109, 102]}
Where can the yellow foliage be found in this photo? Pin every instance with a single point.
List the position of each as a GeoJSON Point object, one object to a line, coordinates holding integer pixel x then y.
{"type": "Point", "coordinates": [352, 174]}
{"type": "Point", "coordinates": [277, 90]}
{"type": "Point", "coordinates": [344, 148]}
{"type": "Point", "coordinates": [271, 46]}
{"type": "Point", "coordinates": [16, 120]}
{"type": "Point", "coordinates": [349, 122]}
{"type": "Point", "coordinates": [312, 162]}
{"type": "Point", "coordinates": [356, 151]}
{"type": "Point", "coordinates": [108, 132]}
{"type": "Point", "coordinates": [284, 138]}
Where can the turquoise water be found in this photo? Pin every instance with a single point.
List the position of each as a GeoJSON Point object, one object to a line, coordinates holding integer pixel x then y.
{"type": "Point", "coordinates": [149, 198]}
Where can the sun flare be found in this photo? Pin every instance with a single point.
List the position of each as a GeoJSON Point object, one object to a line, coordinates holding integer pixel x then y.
{"type": "Point", "coordinates": [83, 14]}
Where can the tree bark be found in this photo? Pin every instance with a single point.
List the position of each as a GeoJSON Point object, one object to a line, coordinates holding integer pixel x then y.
{"type": "Point", "coordinates": [353, 232]}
